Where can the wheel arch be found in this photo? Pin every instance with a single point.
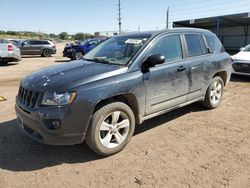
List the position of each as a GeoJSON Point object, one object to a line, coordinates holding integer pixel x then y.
{"type": "Point", "coordinates": [127, 98]}
{"type": "Point", "coordinates": [223, 75]}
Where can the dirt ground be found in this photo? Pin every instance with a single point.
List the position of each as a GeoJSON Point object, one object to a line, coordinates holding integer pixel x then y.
{"type": "Point", "coordinates": [189, 147]}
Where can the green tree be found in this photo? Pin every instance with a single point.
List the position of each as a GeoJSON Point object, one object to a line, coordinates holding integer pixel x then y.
{"type": "Point", "coordinates": [79, 36]}
{"type": "Point", "coordinates": [2, 32]}
{"type": "Point", "coordinates": [63, 35]}
{"type": "Point", "coordinates": [52, 35]}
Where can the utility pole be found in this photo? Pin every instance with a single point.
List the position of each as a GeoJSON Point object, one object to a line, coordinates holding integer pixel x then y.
{"type": "Point", "coordinates": [119, 17]}
{"type": "Point", "coordinates": [167, 18]}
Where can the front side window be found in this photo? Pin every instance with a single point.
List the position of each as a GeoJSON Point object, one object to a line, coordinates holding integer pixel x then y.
{"type": "Point", "coordinates": [169, 47]}
{"type": "Point", "coordinates": [195, 45]}
{"type": "Point", "coordinates": [117, 50]}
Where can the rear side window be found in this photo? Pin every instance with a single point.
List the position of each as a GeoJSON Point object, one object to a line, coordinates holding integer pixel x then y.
{"type": "Point", "coordinates": [45, 42]}
{"type": "Point", "coordinates": [195, 45]}
{"type": "Point", "coordinates": [214, 44]}
{"type": "Point", "coordinates": [170, 47]}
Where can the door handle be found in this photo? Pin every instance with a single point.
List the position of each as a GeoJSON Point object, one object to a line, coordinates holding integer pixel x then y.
{"type": "Point", "coordinates": [181, 68]}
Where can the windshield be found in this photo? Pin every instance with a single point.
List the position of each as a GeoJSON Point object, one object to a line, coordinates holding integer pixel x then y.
{"type": "Point", "coordinates": [117, 50]}
{"type": "Point", "coordinates": [247, 49]}
{"type": "Point", "coordinates": [84, 42]}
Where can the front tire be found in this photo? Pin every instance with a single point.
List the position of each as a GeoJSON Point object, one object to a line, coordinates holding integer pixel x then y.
{"type": "Point", "coordinates": [78, 55]}
{"type": "Point", "coordinates": [111, 128]}
{"type": "Point", "coordinates": [214, 93]}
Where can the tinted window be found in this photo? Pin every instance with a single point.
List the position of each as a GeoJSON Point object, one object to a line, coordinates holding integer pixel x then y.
{"type": "Point", "coordinates": [45, 42]}
{"type": "Point", "coordinates": [170, 47]}
{"type": "Point", "coordinates": [33, 42]}
{"type": "Point", "coordinates": [38, 42]}
{"type": "Point", "coordinates": [195, 45]}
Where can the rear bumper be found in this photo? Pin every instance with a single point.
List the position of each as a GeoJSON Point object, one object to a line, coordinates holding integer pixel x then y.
{"type": "Point", "coordinates": [34, 127]}
{"type": "Point", "coordinates": [10, 57]}
{"type": "Point", "coordinates": [54, 51]}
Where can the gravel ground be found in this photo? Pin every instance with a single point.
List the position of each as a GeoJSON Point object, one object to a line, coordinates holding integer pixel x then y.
{"type": "Point", "coordinates": [188, 147]}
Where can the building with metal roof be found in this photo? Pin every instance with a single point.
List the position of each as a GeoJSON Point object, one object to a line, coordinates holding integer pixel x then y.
{"type": "Point", "coordinates": [233, 30]}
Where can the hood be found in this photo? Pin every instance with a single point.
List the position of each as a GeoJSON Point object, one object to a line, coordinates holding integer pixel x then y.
{"type": "Point", "coordinates": [242, 56]}
{"type": "Point", "coordinates": [70, 75]}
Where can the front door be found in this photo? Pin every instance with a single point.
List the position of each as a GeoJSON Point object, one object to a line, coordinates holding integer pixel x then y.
{"type": "Point", "coordinates": [167, 84]}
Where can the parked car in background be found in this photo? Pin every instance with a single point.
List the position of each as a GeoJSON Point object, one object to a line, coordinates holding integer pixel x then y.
{"type": "Point", "coordinates": [101, 97]}
{"type": "Point", "coordinates": [45, 48]}
{"type": "Point", "coordinates": [241, 62]}
{"type": "Point", "coordinates": [77, 51]}
{"type": "Point", "coordinates": [9, 52]}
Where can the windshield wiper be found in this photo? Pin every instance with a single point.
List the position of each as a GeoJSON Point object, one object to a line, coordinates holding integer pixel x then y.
{"type": "Point", "coordinates": [98, 59]}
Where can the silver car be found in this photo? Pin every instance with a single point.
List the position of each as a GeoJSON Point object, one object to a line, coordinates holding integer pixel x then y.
{"type": "Point", "coordinates": [241, 62]}
{"type": "Point", "coordinates": [9, 52]}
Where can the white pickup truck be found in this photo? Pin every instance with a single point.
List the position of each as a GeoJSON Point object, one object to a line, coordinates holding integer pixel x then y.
{"type": "Point", "coordinates": [8, 52]}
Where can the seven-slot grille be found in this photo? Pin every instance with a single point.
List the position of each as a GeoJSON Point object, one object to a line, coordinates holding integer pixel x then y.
{"type": "Point", "coordinates": [241, 67]}
{"type": "Point", "coordinates": [27, 97]}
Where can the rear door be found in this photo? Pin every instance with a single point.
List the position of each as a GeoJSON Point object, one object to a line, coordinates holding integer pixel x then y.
{"type": "Point", "coordinates": [167, 84]}
{"type": "Point", "coordinates": [200, 63]}
{"type": "Point", "coordinates": [35, 48]}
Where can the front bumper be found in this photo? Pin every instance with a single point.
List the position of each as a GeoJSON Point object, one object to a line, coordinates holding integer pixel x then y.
{"type": "Point", "coordinates": [241, 68]}
{"type": "Point", "coordinates": [36, 127]}
{"type": "Point", "coordinates": [68, 52]}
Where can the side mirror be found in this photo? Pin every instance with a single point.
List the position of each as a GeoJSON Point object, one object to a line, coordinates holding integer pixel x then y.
{"type": "Point", "coordinates": [241, 49]}
{"type": "Point", "coordinates": [154, 60]}
{"type": "Point", "coordinates": [24, 43]}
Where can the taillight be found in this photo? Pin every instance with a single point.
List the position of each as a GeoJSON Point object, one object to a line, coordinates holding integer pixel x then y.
{"type": "Point", "coordinates": [10, 47]}
{"type": "Point", "coordinates": [54, 46]}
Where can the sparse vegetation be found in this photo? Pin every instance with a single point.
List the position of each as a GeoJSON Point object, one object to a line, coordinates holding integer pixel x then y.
{"type": "Point", "coordinates": [39, 35]}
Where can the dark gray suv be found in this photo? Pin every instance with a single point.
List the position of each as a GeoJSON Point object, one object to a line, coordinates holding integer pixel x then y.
{"type": "Point", "coordinates": [125, 80]}
{"type": "Point", "coordinates": [45, 48]}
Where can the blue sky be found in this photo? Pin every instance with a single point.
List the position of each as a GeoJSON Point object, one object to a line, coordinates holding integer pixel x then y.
{"type": "Point", "coordinates": [54, 16]}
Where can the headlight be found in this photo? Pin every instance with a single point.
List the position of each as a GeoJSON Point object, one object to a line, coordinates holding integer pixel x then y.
{"type": "Point", "coordinates": [58, 99]}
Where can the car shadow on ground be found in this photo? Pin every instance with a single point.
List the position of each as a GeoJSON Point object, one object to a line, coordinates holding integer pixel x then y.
{"type": "Point", "coordinates": [62, 61]}
{"type": "Point", "coordinates": [239, 78]}
{"type": "Point", "coordinates": [34, 56]}
{"type": "Point", "coordinates": [20, 153]}
{"type": "Point", "coordinates": [9, 64]}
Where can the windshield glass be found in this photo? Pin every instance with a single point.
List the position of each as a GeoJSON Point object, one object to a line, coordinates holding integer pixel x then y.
{"type": "Point", "coordinates": [84, 42]}
{"type": "Point", "coordinates": [247, 49]}
{"type": "Point", "coordinates": [117, 50]}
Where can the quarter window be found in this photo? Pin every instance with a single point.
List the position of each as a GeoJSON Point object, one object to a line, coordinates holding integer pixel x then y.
{"type": "Point", "coordinates": [169, 47]}
{"type": "Point", "coordinates": [214, 44]}
{"type": "Point", "coordinates": [195, 45]}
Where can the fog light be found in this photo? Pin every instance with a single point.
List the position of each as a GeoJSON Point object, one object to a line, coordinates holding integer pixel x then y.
{"type": "Point", "coordinates": [52, 124]}
{"type": "Point", "coordinates": [56, 124]}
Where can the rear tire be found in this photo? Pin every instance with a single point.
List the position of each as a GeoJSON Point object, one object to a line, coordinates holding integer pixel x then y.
{"type": "Point", "coordinates": [46, 53]}
{"type": "Point", "coordinates": [111, 128]}
{"type": "Point", "coordinates": [214, 93]}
